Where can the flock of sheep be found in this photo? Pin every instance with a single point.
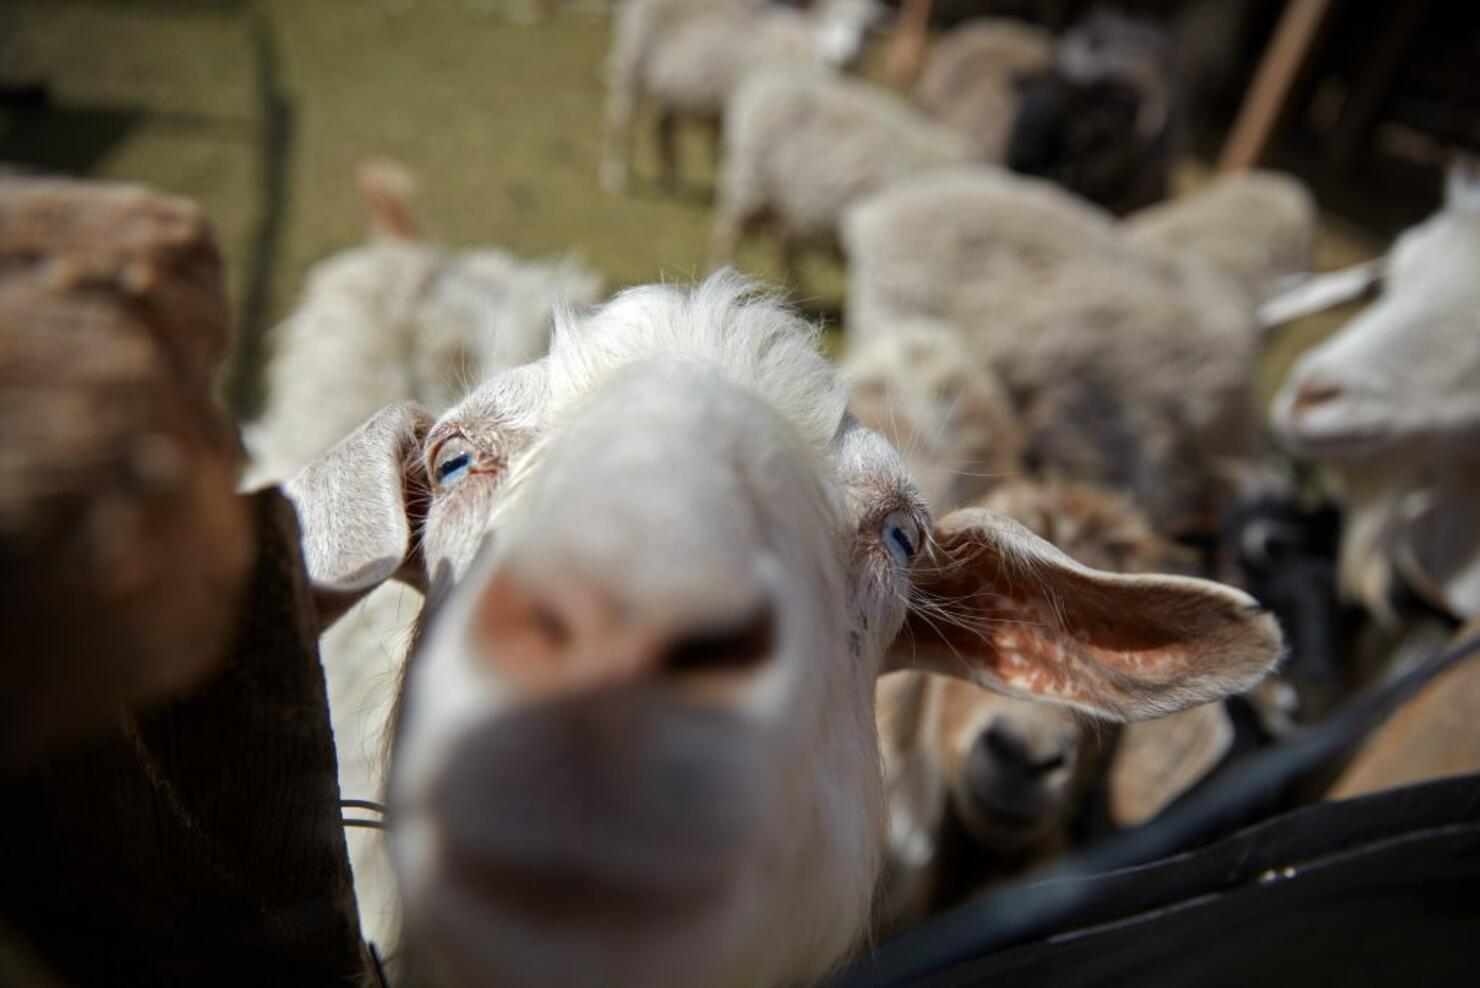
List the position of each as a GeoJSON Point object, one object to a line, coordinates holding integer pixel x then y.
{"type": "Point", "coordinates": [639, 733]}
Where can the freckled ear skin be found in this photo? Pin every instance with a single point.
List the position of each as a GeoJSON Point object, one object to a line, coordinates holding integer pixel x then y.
{"type": "Point", "coordinates": [997, 605]}
{"type": "Point", "coordinates": [1158, 760]}
{"type": "Point", "coordinates": [358, 505]}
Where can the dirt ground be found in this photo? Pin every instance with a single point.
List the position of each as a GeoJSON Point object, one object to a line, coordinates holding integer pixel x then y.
{"type": "Point", "coordinates": [261, 109]}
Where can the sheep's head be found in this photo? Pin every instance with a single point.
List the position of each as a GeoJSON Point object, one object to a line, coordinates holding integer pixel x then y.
{"type": "Point", "coordinates": [1403, 377]}
{"type": "Point", "coordinates": [1099, 120]}
{"type": "Point", "coordinates": [665, 568]}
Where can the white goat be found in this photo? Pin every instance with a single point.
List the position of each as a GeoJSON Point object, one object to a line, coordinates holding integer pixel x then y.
{"type": "Point", "coordinates": [637, 743]}
{"type": "Point", "coordinates": [1394, 398]}
{"type": "Point", "coordinates": [1125, 368]}
{"type": "Point", "coordinates": [983, 787]}
{"type": "Point", "coordinates": [970, 79]}
{"type": "Point", "coordinates": [398, 320]}
{"type": "Point", "coordinates": [801, 146]}
{"type": "Point", "coordinates": [688, 56]}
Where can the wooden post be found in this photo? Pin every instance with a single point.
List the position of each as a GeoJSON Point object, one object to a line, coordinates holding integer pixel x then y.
{"type": "Point", "coordinates": [907, 44]}
{"type": "Point", "coordinates": [1280, 67]}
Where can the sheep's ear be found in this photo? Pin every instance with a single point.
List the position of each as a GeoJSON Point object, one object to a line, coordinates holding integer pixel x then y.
{"type": "Point", "coordinates": [995, 604]}
{"type": "Point", "coordinates": [358, 505]}
{"type": "Point", "coordinates": [1158, 760]}
{"type": "Point", "coordinates": [1439, 549]}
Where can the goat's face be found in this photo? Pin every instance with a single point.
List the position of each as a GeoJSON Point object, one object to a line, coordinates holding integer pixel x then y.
{"type": "Point", "coordinates": [637, 742]}
{"type": "Point", "coordinates": [1012, 768]}
{"type": "Point", "coordinates": [1402, 377]}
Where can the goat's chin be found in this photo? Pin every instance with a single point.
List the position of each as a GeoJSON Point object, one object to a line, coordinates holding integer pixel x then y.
{"type": "Point", "coordinates": [465, 936]}
{"type": "Point", "coordinates": [1336, 433]}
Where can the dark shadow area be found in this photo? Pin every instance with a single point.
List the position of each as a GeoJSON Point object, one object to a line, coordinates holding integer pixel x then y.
{"type": "Point", "coordinates": [48, 137]}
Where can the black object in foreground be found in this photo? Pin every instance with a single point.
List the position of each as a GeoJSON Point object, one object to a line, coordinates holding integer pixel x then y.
{"type": "Point", "coordinates": [1376, 890]}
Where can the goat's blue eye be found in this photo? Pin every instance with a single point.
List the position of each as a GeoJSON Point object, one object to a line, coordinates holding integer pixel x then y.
{"type": "Point", "coordinates": [901, 536]}
{"type": "Point", "coordinates": [454, 461]}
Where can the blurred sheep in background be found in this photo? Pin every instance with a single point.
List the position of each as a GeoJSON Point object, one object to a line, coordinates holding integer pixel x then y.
{"type": "Point", "coordinates": [686, 58]}
{"type": "Point", "coordinates": [1124, 368]}
{"type": "Point", "coordinates": [970, 79]}
{"type": "Point", "coordinates": [1105, 118]}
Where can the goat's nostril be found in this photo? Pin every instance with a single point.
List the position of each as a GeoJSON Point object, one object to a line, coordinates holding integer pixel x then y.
{"type": "Point", "coordinates": [1313, 393]}
{"type": "Point", "coordinates": [746, 643]}
{"type": "Point", "coordinates": [1010, 751]}
{"type": "Point", "coordinates": [550, 626]}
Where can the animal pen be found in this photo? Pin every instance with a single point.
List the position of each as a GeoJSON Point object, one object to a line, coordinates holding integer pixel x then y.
{"type": "Point", "coordinates": [1050, 558]}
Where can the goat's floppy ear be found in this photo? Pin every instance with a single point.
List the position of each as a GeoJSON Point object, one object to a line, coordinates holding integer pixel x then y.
{"type": "Point", "coordinates": [1439, 549]}
{"type": "Point", "coordinates": [997, 605]}
{"type": "Point", "coordinates": [358, 505]}
{"type": "Point", "coordinates": [1158, 760]}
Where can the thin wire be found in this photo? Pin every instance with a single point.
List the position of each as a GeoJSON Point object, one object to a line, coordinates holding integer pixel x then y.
{"type": "Point", "coordinates": [362, 804]}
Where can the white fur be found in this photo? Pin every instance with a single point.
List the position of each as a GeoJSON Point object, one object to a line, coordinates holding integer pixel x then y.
{"type": "Point", "coordinates": [801, 146]}
{"type": "Point", "coordinates": [686, 58]}
{"type": "Point", "coordinates": [1109, 350]}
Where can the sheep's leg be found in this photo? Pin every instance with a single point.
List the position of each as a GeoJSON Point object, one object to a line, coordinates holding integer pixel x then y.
{"type": "Point", "coordinates": [666, 136]}
{"type": "Point", "coordinates": [616, 149]}
{"type": "Point", "coordinates": [729, 225]}
{"type": "Point", "coordinates": [714, 130]}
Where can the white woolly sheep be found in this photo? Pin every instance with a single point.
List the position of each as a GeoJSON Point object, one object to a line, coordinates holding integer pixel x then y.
{"type": "Point", "coordinates": [687, 57]}
{"type": "Point", "coordinates": [1394, 398]}
{"type": "Point", "coordinates": [668, 569]}
{"type": "Point", "coordinates": [398, 320]}
{"type": "Point", "coordinates": [969, 82]}
{"type": "Point", "coordinates": [983, 787]}
{"type": "Point", "coordinates": [801, 146]}
{"type": "Point", "coordinates": [1124, 369]}
{"type": "Point", "coordinates": [1258, 228]}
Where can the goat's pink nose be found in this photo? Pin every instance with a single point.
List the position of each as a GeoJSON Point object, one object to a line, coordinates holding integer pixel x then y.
{"type": "Point", "coordinates": [1314, 391]}
{"type": "Point", "coordinates": [545, 643]}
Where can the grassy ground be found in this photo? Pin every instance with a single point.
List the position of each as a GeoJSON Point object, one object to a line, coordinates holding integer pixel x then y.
{"type": "Point", "coordinates": [260, 110]}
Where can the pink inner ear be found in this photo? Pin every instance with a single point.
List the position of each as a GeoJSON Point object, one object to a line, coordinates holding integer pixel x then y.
{"type": "Point", "coordinates": [1116, 645]}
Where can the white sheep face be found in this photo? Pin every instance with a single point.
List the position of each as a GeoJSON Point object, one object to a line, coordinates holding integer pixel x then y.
{"type": "Point", "coordinates": [1403, 378]}
{"type": "Point", "coordinates": [664, 571]}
